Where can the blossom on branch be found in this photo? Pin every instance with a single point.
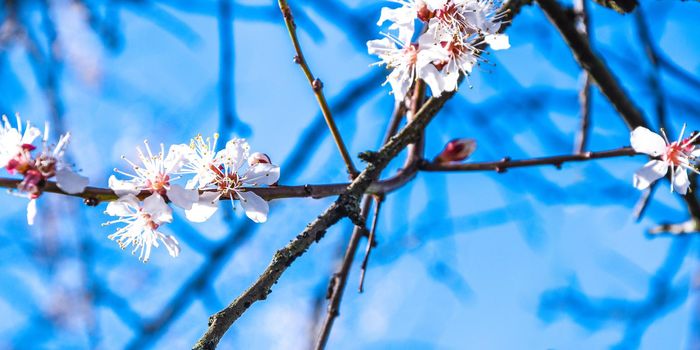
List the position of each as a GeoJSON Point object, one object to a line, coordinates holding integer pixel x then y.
{"type": "Point", "coordinates": [675, 155]}
{"type": "Point", "coordinates": [17, 157]}
{"type": "Point", "coordinates": [142, 223]}
{"type": "Point", "coordinates": [225, 176]}
{"type": "Point", "coordinates": [447, 49]}
{"type": "Point", "coordinates": [156, 176]}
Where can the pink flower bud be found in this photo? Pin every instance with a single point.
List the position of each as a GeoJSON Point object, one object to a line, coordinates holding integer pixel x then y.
{"type": "Point", "coordinates": [259, 158]}
{"type": "Point", "coordinates": [456, 150]}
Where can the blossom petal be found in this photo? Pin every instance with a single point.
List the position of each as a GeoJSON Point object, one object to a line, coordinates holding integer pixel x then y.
{"type": "Point", "coordinates": [680, 181]}
{"type": "Point", "coordinates": [31, 211]}
{"type": "Point", "coordinates": [648, 142]}
{"type": "Point", "coordinates": [160, 211]}
{"type": "Point", "coordinates": [70, 182]}
{"type": "Point", "coordinates": [171, 244]}
{"type": "Point", "coordinates": [122, 187]}
{"type": "Point", "coordinates": [207, 205]}
{"type": "Point", "coordinates": [650, 172]}
{"type": "Point", "coordinates": [497, 41]}
{"type": "Point", "coordinates": [124, 206]}
{"type": "Point", "coordinates": [262, 174]}
{"type": "Point", "coordinates": [255, 207]}
{"type": "Point", "coordinates": [183, 198]}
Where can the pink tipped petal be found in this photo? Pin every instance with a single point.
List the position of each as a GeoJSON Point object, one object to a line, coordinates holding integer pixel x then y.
{"type": "Point", "coordinates": [255, 207]}
{"type": "Point", "coordinates": [182, 197]}
{"type": "Point", "coordinates": [207, 205]}
{"type": "Point", "coordinates": [70, 182]}
{"type": "Point", "coordinates": [681, 182]}
{"type": "Point", "coordinates": [262, 174]}
{"type": "Point", "coordinates": [122, 188]}
{"type": "Point", "coordinates": [31, 211]}
{"type": "Point", "coordinates": [650, 172]}
{"type": "Point", "coordinates": [645, 141]}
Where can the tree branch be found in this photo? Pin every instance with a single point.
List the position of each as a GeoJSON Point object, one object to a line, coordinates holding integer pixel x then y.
{"type": "Point", "coordinates": [345, 205]}
{"type": "Point", "coordinates": [317, 87]}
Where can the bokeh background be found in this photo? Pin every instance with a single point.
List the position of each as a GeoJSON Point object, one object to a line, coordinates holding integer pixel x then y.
{"type": "Point", "coordinates": [535, 258]}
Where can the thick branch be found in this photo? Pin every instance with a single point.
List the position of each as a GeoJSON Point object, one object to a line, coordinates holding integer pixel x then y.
{"type": "Point", "coordinates": [345, 205]}
{"type": "Point", "coordinates": [317, 87]}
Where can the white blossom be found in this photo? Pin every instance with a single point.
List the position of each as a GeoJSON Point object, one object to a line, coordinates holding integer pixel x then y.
{"type": "Point", "coordinates": [156, 176]}
{"type": "Point", "coordinates": [448, 49]}
{"type": "Point", "coordinates": [401, 58]}
{"type": "Point", "coordinates": [674, 155]}
{"type": "Point", "coordinates": [229, 178]}
{"type": "Point", "coordinates": [36, 168]}
{"type": "Point", "coordinates": [141, 224]}
{"type": "Point", "coordinates": [12, 139]}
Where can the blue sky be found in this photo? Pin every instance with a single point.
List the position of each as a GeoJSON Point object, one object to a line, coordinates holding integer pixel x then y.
{"type": "Point", "coordinates": [533, 258]}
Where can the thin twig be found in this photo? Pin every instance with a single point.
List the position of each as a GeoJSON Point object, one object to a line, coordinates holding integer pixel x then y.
{"type": "Point", "coordinates": [506, 163]}
{"type": "Point", "coordinates": [317, 87]}
{"type": "Point", "coordinates": [370, 241]}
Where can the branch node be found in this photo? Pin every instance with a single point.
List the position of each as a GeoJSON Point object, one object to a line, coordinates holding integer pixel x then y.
{"type": "Point", "coordinates": [369, 157]}
{"type": "Point", "coordinates": [317, 85]}
{"type": "Point", "coordinates": [297, 59]}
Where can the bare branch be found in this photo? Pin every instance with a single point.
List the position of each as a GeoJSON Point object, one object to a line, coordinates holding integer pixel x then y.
{"type": "Point", "coordinates": [317, 87]}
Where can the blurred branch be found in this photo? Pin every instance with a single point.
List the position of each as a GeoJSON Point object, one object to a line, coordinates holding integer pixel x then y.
{"type": "Point", "coordinates": [595, 66]}
{"type": "Point", "coordinates": [583, 24]}
{"type": "Point", "coordinates": [620, 6]}
{"type": "Point", "coordinates": [317, 87]}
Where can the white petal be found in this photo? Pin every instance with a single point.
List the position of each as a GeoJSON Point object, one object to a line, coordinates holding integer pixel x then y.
{"type": "Point", "coordinates": [124, 206]}
{"type": "Point", "coordinates": [30, 135]}
{"type": "Point", "coordinates": [171, 244]}
{"type": "Point", "coordinates": [645, 141]}
{"type": "Point", "coordinates": [380, 46]}
{"type": "Point", "coordinates": [433, 78]}
{"type": "Point", "coordinates": [262, 174]}
{"type": "Point", "coordinates": [176, 158]}
{"type": "Point", "coordinates": [650, 172]}
{"type": "Point", "coordinates": [70, 182]}
{"type": "Point", "coordinates": [121, 187]}
{"type": "Point", "coordinates": [31, 211]}
{"type": "Point", "coordinates": [207, 205]}
{"type": "Point", "coordinates": [680, 181]}
{"type": "Point", "coordinates": [181, 197]}
{"type": "Point", "coordinates": [159, 210]}
{"type": "Point", "coordinates": [498, 41]}
{"type": "Point", "coordinates": [255, 207]}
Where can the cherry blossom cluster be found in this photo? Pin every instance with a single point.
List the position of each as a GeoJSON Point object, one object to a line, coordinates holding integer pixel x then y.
{"type": "Point", "coordinates": [36, 164]}
{"type": "Point", "coordinates": [676, 156]}
{"type": "Point", "coordinates": [211, 175]}
{"type": "Point", "coordinates": [447, 47]}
